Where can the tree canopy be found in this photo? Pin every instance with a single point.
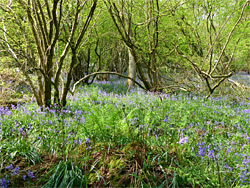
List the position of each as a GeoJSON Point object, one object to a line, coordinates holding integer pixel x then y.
{"type": "Point", "coordinates": [191, 45]}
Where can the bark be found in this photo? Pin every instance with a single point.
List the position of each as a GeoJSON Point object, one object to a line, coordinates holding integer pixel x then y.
{"type": "Point", "coordinates": [141, 74]}
{"type": "Point", "coordinates": [48, 83]}
{"type": "Point", "coordinates": [69, 77]}
{"type": "Point", "coordinates": [131, 68]}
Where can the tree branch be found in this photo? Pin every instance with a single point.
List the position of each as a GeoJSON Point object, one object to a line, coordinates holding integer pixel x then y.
{"type": "Point", "coordinates": [106, 72]}
{"type": "Point", "coordinates": [230, 34]}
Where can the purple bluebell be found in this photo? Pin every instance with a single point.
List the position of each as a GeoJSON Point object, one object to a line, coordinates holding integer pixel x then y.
{"type": "Point", "coordinates": [87, 140]}
{"type": "Point", "coordinates": [15, 171]}
{"type": "Point", "coordinates": [3, 183]}
{"type": "Point", "coordinates": [82, 120]}
{"type": "Point", "coordinates": [78, 141]}
{"type": "Point", "coordinates": [10, 167]}
{"type": "Point", "coordinates": [201, 150]}
{"type": "Point", "coordinates": [30, 174]}
{"type": "Point", "coordinates": [166, 119]}
{"type": "Point", "coordinates": [88, 147]}
{"type": "Point", "coordinates": [24, 177]}
{"type": "Point", "coordinates": [183, 140]}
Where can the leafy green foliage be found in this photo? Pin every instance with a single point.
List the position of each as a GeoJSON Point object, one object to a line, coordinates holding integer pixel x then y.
{"type": "Point", "coordinates": [136, 139]}
{"type": "Point", "coordinates": [109, 135]}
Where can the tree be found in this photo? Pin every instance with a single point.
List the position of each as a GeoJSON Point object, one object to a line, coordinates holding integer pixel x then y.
{"type": "Point", "coordinates": [142, 56]}
{"type": "Point", "coordinates": [210, 60]}
{"type": "Point", "coordinates": [53, 41]}
{"type": "Point", "coordinates": [48, 23]}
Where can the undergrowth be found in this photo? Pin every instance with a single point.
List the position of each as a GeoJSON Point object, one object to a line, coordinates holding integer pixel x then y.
{"type": "Point", "coordinates": [107, 136]}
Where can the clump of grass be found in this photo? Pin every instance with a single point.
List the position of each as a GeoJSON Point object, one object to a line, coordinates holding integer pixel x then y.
{"type": "Point", "coordinates": [65, 174]}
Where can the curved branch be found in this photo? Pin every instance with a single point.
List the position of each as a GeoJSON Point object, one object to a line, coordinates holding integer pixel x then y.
{"type": "Point", "coordinates": [106, 72]}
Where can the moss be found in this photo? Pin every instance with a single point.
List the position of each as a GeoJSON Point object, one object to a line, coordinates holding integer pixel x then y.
{"type": "Point", "coordinates": [133, 149]}
{"type": "Point", "coordinates": [115, 167]}
{"type": "Point", "coordinates": [113, 164]}
{"type": "Point", "coordinates": [93, 177]}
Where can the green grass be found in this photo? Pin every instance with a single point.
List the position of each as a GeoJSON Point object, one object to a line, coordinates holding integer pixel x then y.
{"type": "Point", "coordinates": [107, 136]}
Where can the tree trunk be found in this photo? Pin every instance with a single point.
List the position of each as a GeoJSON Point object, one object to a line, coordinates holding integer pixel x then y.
{"type": "Point", "coordinates": [48, 83]}
{"type": "Point", "coordinates": [40, 89]}
{"type": "Point", "coordinates": [47, 96]}
{"type": "Point", "coordinates": [131, 68]}
{"type": "Point", "coordinates": [143, 78]}
{"type": "Point", "coordinates": [69, 77]}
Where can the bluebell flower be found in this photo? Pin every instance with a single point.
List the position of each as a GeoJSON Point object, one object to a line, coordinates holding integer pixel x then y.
{"type": "Point", "coordinates": [243, 176]}
{"type": "Point", "coordinates": [245, 162]}
{"type": "Point", "coordinates": [183, 140]}
{"type": "Point", "coordinates": [141, 127]}
{"type": "Point", "coordinates": [166, 119]}
{"type": "Point", "coordinates": [82, 120]}
{"type": "Point", "coordinates": [201, 149]}
{"type": "Point", "coordinates": [10, 167]}
{"type": "Point", "coordinates": [210, 154]}
{"type": "Point", "coordinates": [155, 134]}
{"type": "Point", "coordinates": [3, 182]}
{"type": "Point", "coordinates": [88, 148]}
{"type": "Point", "coordinates": [20, 129]}
{"type": "Point", "coordinates": [30, 174]}
{"type": "Point", "coordinates": [24, 177]}
{"type": "Point", "coordinates": [65, 141]}
{"type": "Point", "coordinates": [78, 141]}
{"type": "Point", "coordinates": [15, 171]}
{"type": "Point", "coordinates": [16, 124]}
{"type": "Point", "coordinates": [87, 140]}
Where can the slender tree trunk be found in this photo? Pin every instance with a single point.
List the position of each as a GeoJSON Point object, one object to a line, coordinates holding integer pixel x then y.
{"type": "Point", "coordinates": [154, 71]}
{"type": "Point", "coordinates": [47, 78]}
{"type": "Point", "coordinates": [47, 96]}
{"type": "Point", "coordinates": [69, 77]}
{"type": "Point", "coordinates": [143, 78]}
{"type": "Point", "coordinates": [40, 87]}
{"type": "Point", "coordinates": [131, 68]}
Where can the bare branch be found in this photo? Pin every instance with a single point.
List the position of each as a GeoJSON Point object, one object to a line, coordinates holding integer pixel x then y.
{"type": "Point", "coordinates": [89, 18]}
{"type": "Point", "coordinates": [93, 26]}
{"type": "Point", "coordinates": [43, 21]}
{"type": "Point", "coordinates": [106, 72]}
{"type": "Point", "coordinates": [9, 48]}
{"type": "Point", "coordinates": [230, 34]}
